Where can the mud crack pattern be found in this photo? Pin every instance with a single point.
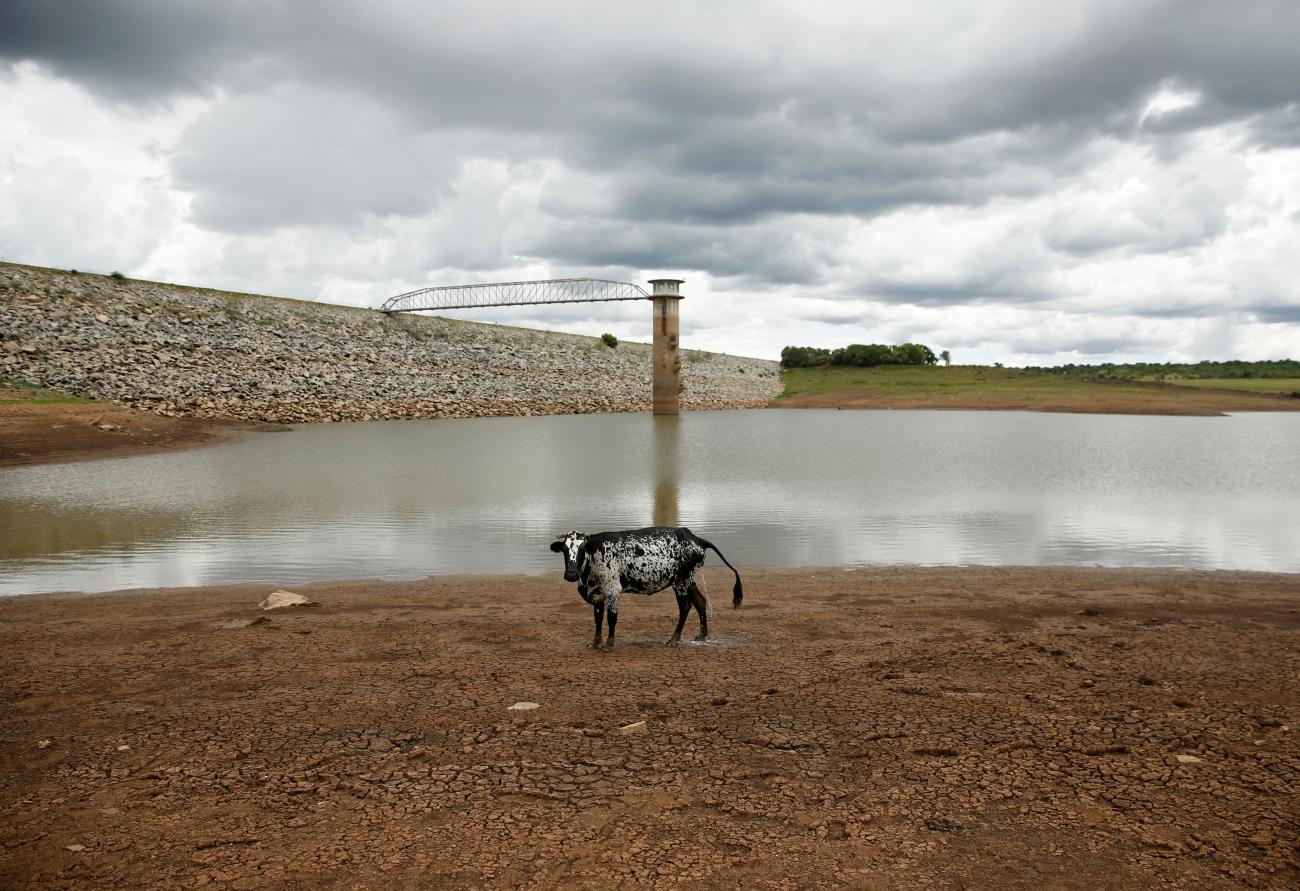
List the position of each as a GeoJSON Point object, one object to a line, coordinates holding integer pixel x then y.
{"type": "Point", "coordinates": [901, 727]}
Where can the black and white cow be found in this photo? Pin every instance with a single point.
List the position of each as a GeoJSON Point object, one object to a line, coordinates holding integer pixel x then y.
{"type": "Point", "coordinates": [639, 561]}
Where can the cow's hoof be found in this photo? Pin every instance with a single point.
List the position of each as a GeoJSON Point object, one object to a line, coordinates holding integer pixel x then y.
{"type": "Point", "coordinates": [701, 638]}
{"type": "Point", "coordinates": [673, 641]}
{"type": "Point", "coordinates": [606, 646]}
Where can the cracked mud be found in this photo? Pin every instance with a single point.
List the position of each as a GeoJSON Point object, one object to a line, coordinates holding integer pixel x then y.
{"type": "Point", "coordinates": [879, 728]}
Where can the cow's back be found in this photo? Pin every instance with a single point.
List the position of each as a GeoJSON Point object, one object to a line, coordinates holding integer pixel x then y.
{"type": "Point", "coordinates": [647, 560]}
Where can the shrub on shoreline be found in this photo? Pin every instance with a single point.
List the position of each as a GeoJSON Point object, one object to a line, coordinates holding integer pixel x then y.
{"type": "Point", "coordinates": [862, 355]}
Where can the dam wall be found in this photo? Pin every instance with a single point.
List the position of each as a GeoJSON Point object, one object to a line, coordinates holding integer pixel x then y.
{"type": "Point", "coordinates": [183, 350]}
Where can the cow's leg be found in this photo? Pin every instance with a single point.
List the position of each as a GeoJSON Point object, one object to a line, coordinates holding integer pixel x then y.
{"type": "Point", "coordinates": [613, 620]}
{"type": "Point", "coordinates": [701, 607]}
{"type": "Point", "coordinates": [599, 610]}
{"type": "Point", "coordinates": [683, 610]}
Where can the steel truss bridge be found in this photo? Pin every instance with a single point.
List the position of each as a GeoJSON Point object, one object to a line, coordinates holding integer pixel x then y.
{"type": "Point", "coordinates": [560, 290]}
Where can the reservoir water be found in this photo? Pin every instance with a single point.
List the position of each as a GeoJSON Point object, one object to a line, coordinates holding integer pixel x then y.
{"type": "Point", "coordinates": [779, 488]}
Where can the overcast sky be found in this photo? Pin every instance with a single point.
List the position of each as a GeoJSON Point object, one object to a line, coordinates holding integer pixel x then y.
{"type": "Point", "coordinates": [1024, 182]}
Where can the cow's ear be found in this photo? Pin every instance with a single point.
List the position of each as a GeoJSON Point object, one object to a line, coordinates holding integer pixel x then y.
{"type": "Point", "coordinates": [557, 545]}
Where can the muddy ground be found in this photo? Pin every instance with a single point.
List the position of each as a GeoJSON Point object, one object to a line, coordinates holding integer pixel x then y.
{"type": "Point", "coordinates": [1152, 399]}
{"type": "Point", "coordinates": [880, 728]}
{"type": "Point", "coordinates": [40, 433]}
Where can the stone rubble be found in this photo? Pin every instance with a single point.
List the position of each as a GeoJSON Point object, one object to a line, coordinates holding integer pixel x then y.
{"type": "Point", "coordinates": [191, 351]}
{"type": "Point", "coordinates": [285, 599]}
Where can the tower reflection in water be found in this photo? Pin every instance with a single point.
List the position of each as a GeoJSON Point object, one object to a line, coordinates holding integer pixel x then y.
{"type": "Point", "coordinates": [666, 440]}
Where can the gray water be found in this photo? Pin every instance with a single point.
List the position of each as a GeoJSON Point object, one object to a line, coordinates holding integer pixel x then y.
{"type": "Point", "coordinates": [409, 499]}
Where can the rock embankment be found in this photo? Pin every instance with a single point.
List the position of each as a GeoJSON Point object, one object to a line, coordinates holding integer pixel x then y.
{"type": "Point", "coordinates": [191, 351]}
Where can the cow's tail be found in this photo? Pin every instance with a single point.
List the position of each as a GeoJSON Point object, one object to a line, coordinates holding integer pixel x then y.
{"type": "Point", "coordinates": [737, 594]}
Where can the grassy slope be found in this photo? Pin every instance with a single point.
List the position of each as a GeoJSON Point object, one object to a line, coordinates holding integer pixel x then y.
{"type": "Point", "coordinates": [963, 380]}
{"type": "Point", "coordinates": [12, 391]}
{"type": "Point", "coordinates": [1254, 384]}
{"type": "Point", "coordinates": [980, 387]}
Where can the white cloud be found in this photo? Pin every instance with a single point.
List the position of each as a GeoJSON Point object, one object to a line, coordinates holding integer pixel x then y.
{"type": "Point", "coordinates": [1169, 99]}
{"type": "Point", "coordinates": [83, 183]}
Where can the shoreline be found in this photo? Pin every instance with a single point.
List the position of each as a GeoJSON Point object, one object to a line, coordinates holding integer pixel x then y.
{"type": "Point", "coordinates": [49, 433]}
{"type": "Point", "coordinates": [1193, 403]}
{"type": "Point", "coordinates": [1262, 577]}
{"type": "Point", "coordinates": [1009, 727]}
{"type": "Point", "coordinates": [62, 432]}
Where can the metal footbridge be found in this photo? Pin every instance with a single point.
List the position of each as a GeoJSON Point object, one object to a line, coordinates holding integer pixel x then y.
{"type": "Point", "coordinates": [666, 359]}
{"type": "Point", "coordinates": [560, 290]}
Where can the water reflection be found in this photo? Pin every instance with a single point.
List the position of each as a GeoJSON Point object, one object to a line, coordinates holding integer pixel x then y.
{"type": "Point", "coordinates": [666, 449]}
{"type": "Point", "coordinates": [770, 487]}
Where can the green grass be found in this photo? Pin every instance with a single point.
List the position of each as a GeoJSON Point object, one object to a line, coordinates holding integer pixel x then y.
{"type": "Point", "coordinates": [29, 394]}
{"type": "Point", "coordinates": [934, 380]}
{"type": "Point", "coordinates": [1254, 384]}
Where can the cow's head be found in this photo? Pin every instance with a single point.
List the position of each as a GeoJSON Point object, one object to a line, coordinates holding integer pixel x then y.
{"type": "Point", "coordinates": [571, 546]}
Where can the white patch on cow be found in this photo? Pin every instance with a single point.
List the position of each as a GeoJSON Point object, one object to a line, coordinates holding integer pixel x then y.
{"type": "Point", "coordinates": [573, 543]}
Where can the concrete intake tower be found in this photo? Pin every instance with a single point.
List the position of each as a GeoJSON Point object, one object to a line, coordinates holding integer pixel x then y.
{"type": "Point", "coordinates": [666, 299]}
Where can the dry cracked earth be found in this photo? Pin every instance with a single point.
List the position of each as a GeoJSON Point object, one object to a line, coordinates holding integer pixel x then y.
{"type": "Point", "coordinates": [879, 728]}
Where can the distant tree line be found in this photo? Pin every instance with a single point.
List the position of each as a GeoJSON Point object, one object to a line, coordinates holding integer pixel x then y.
{"type": "Point", "coordinates": [863, 355]}
{"type": "Point", "coordinates": [1234, 368]}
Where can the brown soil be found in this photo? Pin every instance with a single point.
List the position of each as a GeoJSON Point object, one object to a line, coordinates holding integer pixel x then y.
{"type": "Point", "coordinates": [1159, 399]}
{"type": "Point", "coordinates": [38, 433]}
{"type": "Point", "coordinates": [879, 728]}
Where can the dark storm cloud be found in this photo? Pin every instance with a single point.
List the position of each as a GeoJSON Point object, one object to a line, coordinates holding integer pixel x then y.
{"type": "Point", "coordinates": [775, 254]}
{"type": "Point", "coordinates": [451, 66]}
{"type": "Point", "coordinates": [721, 176]}
{"type": "Point", "coordinates": [1095, 346]}
{"type": "Point", "coordinates": [1057, 341]}
{"type": "Point", "coordinates": [968, 290]}
{"type": "Point", "coordinates": [137, 49]}
{"type": "Point", "coordinates": [1239, 56]}
{"type": "Point", "coordinates": [1180, 308]}
{"type": "Point", "coordinates": [1283, 314]}
{"type": "Point", "coordinates": [1279, 127]}
{"type": "Point", "coordinates": [838, 312]}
